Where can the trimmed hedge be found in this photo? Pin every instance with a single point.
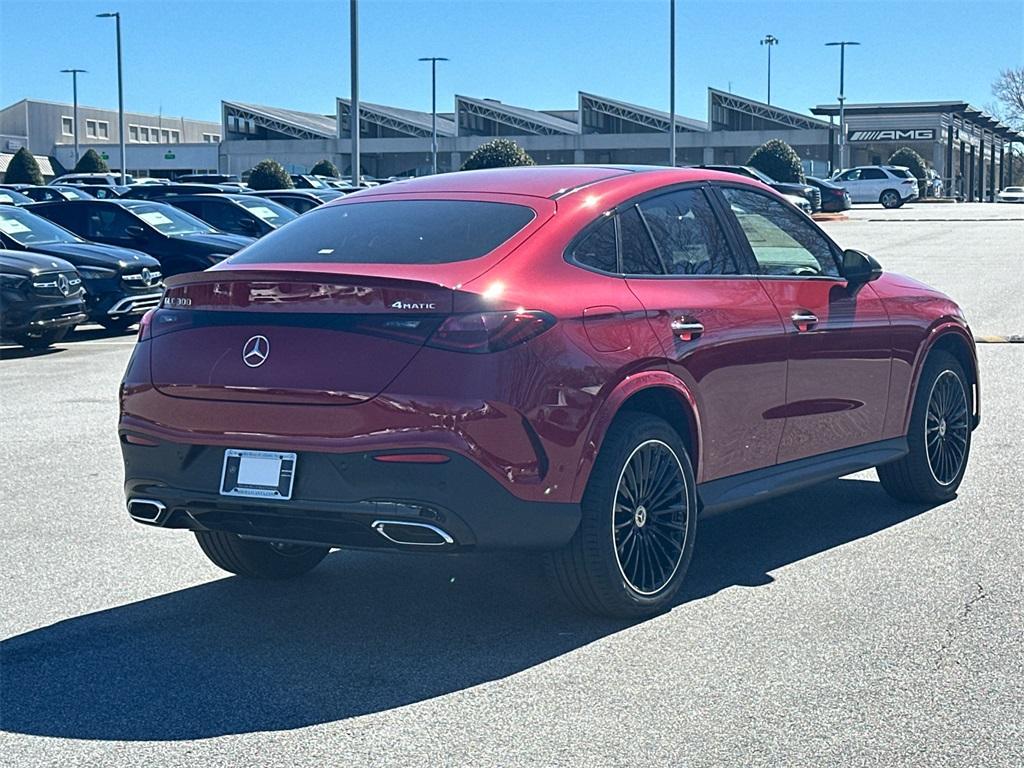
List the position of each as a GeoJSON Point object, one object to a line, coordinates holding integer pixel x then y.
{"type": "Point", "coordinates": [23, 169]}
{"type": "Point", "coordinates": [499, 153]}
{"type": "Point", "coordinates": [325, 168]}
{"type": "Point", "coordinates": [778, 160]}
{"type": "Point", "coordinates": [91, 162]}
{"type": "Point", "coordinates": [270, 174]}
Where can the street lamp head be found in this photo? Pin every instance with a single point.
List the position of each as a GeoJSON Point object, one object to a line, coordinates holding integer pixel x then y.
{"type": "Point", "coordinates": [432, 58]}
{"type": "Point", "coordinates": [74, 71]}
{"type": "Point", "coordinates": [111, 15]}
{"type": "Point", "coordinates": [844, 42]}
{"type": "Point", "coordinates": [770, 40]}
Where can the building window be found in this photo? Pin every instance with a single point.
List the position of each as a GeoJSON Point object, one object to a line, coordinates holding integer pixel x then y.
{"type": "Point", "coordinates": [165, 136]}
{"type": "Point", "coordinates": [133, 133]}
{"type": "Point", "coordinates": [211, 138]}
{"type": "Point", "coordinates": [102, 129]}
{"type": "Point", "coordinates": [67, 126]}
{"type": "Point", "coordinates": [175, 136]}
{"type": "Point", "coordinates": [144, 134]}
{"type": "Point", "coordinates": [90, 129]}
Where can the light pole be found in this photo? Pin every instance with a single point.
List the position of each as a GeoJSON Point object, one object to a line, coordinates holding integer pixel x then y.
{"type": "Point", "coordinates": [770, 40]}
{"type": "Point", "coordinates": [353, 117]}
{"type": "Point", "coordinates": [74, 90]}
{"type": "Point", "coordinates": [672, 83]}
{"type": "Point", "coordinates": [433, 108]}
{"type": "Point", "coordinates": [842, 97]}
{"type": "Point", "coordinates": [116, 15]}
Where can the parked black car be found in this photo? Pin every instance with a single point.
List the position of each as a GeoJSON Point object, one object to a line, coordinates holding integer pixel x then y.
{"type": "Point", "coordinates": [12, 197]}
{"type": "Point", "coordinates": [208, 178]}
{"type": "Point", "coordinates": [237, 214]}
{"type": "Point", "coordinates": [180, 241]}
{"type": "Point", "coordinates": [98, 191]}
{"type": "Point", "coordinates": [120, 283]}
{"type": "Point", "coordinates": [300, 200]}
{"type": "Point", "coordinates": [55, 192]}
{"type": "Point", "coordinates": [159, 191]}
{"type": "Point", "coordinates": [40, 299]}
{"type": "Point", "coordinates": [834, 198]}
{"type": "Point", "coordinates": [806, 191]}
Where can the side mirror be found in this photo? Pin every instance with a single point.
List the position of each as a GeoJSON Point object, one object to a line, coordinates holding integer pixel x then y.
{"type": "Point", "coordinates": [136, 231]}
{"type": "Point", "coordinates": [859, 267]}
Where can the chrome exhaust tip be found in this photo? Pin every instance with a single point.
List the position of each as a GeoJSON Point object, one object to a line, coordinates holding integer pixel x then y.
{"type": "Point", "coordinates": [412, 534]}
{"type": "Point", "coordinates": [146, 511]}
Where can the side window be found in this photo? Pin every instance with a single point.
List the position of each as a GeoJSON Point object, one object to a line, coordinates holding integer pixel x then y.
{"type": "Point", "coordinates": [597, 249]}
{"type": "Point", "coordinates": [68, 216]}
{"type": "Point", "coordinates": [687, 234]}
{"type": "Point", "coordinates": [639, 256]}
{"type": "Point", "coordinates": [783, 242]}
{"type": "Point", "coordinates": [108, 222]}
{"type": "Point", "coordinates": [850, 176]}
{"type": "Point", "coordinates": [873, 174]}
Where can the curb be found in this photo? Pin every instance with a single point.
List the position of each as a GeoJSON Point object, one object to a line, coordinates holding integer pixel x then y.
{"type": "Point", "coordinates": [830, 217]}
{"type": "Point", "coordinates": [1014, 338]}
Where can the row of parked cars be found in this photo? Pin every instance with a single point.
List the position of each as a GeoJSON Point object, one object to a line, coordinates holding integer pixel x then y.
{"type": "Point", "coordinates": [85, 249]}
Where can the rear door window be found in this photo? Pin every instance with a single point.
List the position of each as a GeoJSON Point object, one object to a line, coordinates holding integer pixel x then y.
{"type": "Point", "coordinates": [687, 234]}
{"type": "Point", "coordinates": [392, 232]}
{"type": "Point", "coordinates": [872, 174]}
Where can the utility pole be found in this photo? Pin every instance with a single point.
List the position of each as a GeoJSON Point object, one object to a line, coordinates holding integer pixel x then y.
{"type": "Point", "coordinates": [120, 95]}
{"type": "Point", "coordinates": [672, 84]}
{"type": "Point", "coordinates": [433, 109]}
{"type": "Point", "coordinates": [353, 116]}
{"type": "Point", "coordinates": [842, 98]}
{"type": "Point", "coordinates": [74, 91]}
{"type": "Point", "coordinates": [770, 41]}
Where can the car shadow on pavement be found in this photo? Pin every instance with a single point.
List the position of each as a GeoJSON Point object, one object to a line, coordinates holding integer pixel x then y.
{"type": "Point", "coordinates": [365, 632]}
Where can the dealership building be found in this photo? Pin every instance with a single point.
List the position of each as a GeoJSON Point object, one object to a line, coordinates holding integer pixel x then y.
{"type": "Point", "coordinates": [967, 147]}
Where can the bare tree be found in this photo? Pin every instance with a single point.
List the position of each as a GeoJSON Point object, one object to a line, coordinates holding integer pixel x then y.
{"type": "Point", "coordinates": [1009, 90]}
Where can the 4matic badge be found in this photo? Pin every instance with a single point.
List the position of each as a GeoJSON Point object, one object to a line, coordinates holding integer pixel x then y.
{"type": "Point", "coordinates": [413, 305]}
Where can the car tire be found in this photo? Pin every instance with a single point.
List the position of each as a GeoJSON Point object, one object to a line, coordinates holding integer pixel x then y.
{"type": "Point", "coordinates": [890, 198]}
{"type": "Point", "coordinates": [44, 339]}
{"type": "Point", "coordinates": [939, 436]}
{"type": "Point", "coordinates": [628, 559]}
{"type": "Point", "coordinates": [118, 324]}
{"type": "Point", "coordinates": [258, 559]}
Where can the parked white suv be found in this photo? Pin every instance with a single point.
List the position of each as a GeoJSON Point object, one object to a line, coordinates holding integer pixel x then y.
{"type": "Point", "coordinates": [890, 185]}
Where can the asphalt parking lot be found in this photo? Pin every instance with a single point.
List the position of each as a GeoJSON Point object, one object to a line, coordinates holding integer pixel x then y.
{"type": "Point", "coordinates": [831, 627]}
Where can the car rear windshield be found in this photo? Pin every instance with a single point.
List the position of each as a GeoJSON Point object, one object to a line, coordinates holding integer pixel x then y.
{"type": "Point", "coordinates": [901, 173]}
{"type": "Point", "coordinates": [391, 232]}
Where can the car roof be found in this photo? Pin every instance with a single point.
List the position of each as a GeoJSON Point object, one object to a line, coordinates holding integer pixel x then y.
{"type": "Point", "coordinates": [535, 180]}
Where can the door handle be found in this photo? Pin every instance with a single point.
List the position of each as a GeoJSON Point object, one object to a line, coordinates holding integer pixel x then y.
{"type": "Point", "coordinates": [804, 320]}
{"type": "Point", "coordinates": [685, 329]}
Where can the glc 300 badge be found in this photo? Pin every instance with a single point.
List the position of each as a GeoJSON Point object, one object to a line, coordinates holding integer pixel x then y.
{"type": "Point", "coordinates": [256, 351]}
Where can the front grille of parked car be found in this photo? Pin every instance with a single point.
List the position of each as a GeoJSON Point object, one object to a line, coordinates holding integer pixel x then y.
{"type": "Point", "coordinates": [145, 278]}
{"type": "Point", "coordinates": [57, 284]}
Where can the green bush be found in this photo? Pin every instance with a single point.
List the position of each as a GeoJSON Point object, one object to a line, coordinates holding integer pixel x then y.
{"type": "Point", "coordinates": [499, 153]}
{"type": "Point", "coordinates": [778, 160]}
{"type": "Point", "coordinates": [325, 168]}
{"type": "Point", "coordinates": [909, 159]}
{"type": "Point", "coordinates": [269, 174]}
{"type": "Point", "coordinates": [91, 162]}
{"type": "Point", "coordinates": [23, 169]}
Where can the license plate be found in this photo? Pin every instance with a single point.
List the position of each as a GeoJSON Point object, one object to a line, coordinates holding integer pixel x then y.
{"type": "Point", "coordinates": [262, 474]}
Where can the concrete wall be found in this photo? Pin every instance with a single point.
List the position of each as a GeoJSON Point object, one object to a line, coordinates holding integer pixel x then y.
{"type": "Point", "coordinates": [148, 159]}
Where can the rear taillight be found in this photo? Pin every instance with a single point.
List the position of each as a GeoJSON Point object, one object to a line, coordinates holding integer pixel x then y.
{"type": "Point", "coordinates": [909, 181]}
{"type": "Point", "coordinates": [482, 332]}
{"type": "Point", "coordinates": [145, 325]}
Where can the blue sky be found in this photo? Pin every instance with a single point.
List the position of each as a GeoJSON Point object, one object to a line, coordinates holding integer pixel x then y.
{"type": "Point", "coordinates": [183, 57]}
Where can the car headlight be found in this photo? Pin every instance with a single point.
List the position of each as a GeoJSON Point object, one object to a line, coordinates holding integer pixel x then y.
{"type": "Point", "coordinates": [11, 282]}
{"type": "Point", "coordinates": [96, 273]}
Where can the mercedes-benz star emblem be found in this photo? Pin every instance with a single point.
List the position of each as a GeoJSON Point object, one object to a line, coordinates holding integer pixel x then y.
{"type": "Point", "coordinates": [256, 351]}
{"type": "Point", "coordinates": [63, 285]}
{"type": "Point", "coordinates": [147, 276]}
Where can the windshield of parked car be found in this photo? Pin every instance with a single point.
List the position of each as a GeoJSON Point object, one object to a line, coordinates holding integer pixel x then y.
{"type": "Point", "coordinates": [391, 232]}
{"type": "Point", "coordinates": [28, 229]}
{"type": "Point", "coordinates": [170, 220]}
{"type": "Point", "coordinates": [761, 176]}
{"type": "Point", "coordinates": [273, 213]}
{"type": "Point", "coordinates": [1014, 189]}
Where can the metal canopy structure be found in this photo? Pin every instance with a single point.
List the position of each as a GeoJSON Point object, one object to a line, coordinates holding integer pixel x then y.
{"type": "Point", "coordinates": [408, 122]}
{"type": "Point", "coordinates": [525, 121]}
{"type": "Point", "coordinates": [239, 118]}
{"type": "Point", "coordinates": [720, 103]}
{"type": "Point", "coordinates": [969, 113]}
{"type": "Point", "coordinates": [632, 113]}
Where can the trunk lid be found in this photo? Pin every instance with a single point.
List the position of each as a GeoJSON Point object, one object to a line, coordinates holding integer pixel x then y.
{"type": "Point", "coordinates": [290, 337]}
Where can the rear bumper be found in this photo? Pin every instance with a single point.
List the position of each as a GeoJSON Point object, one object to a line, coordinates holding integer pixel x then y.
{"type": "Point", "coordinates": [337, 498]}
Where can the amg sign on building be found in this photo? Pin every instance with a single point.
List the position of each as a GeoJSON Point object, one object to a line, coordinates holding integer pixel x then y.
{"type": "Point", "coordinates": [894, 134]}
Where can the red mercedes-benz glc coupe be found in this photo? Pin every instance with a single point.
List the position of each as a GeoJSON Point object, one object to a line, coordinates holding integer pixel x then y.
{"type": "Point", "coordinates": [578, 359]}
